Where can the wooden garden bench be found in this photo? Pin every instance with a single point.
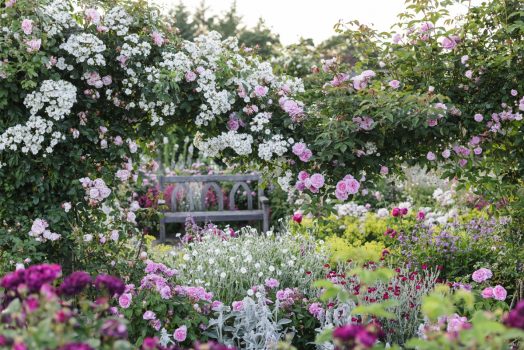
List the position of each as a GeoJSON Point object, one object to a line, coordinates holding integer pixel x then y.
{"type": "Point", "coordinates": [212, 182]}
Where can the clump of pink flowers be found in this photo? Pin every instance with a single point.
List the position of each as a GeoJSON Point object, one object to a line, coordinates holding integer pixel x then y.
{"type": "Point", "coordinates": [312, 183]}
{"type": "Point", "coordinates": [348, 185]}
{"type": "Point", "coordinates": [300, 149]}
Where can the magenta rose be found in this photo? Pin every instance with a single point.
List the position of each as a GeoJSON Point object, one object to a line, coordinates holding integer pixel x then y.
{"type": "Point", "coordinates": [180, 334]}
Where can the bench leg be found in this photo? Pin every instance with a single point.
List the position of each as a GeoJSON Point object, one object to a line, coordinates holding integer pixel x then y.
{"type": "Point", "coordinates": [162, 231]}
{"type": "Point", "coordinates": [265, 223]}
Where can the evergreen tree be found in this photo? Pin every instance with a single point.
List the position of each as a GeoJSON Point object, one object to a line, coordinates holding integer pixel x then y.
{"type": "Point", "coordinates": [186, 29]}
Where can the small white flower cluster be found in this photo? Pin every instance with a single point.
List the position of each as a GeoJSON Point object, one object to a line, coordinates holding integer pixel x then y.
{"type": "Point", "coordinates": [178, 62]}
{"type": "Point", "coordinates": [59, 11]}
{"type": "Point", "coordinates": [444, 198]}
{"type": "Point", "coordinates": [218, 102]}
{"type": "Point", "coordinates": [240, 143]}
{"type": "Point", "coordinates": [86, 48]}
{"type": "Point", "coordinates": [119, 20]}
{"type": "Point", "coordinates": [134, 47]}
{"type": "Point", "coordinates": [59, 96]}
{"type": "Point", "coordinates": [96, 190]}
{"type": "Point", "coordinates": [285, 181]}
{"type": "Point", "coordinates": [351, 209]}
{"type": "Point", "coordinates": [31, 135]}
{"type": "Point", "coordinates": [259, 121]}
{"type": "Point", "coordinates": [62, 65]}
{"type": "Point", "coordinates": [39, 230]}
{"type": "Point", "coordinates": [276, 145]}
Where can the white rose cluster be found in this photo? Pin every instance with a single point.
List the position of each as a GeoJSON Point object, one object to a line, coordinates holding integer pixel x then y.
{"type": "Point", "coordinates": [119, 20]}
{"type": "Point", "coordinates": [240, 143]}
{"type": "Point", "coordinates": [86, 48]}
{"type": "Point", "coordinates": [59, 11]}
{"type": "Point", "coordinates": [96, 190]}
{"type": "Point", "coordinates": [41, 233]}
{"type": "Point", "coordinates": [58, 97]}
{"type": "Point", "coordinates": [31, 136]}
{"type": "Point", "coordinates": [276, 145]}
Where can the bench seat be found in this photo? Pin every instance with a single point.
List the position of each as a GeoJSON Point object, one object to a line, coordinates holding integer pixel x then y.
{"type": "Point", "coordinates": [212, 216]}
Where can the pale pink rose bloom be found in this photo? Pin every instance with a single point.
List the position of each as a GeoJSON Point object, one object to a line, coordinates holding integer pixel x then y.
{"type": "Point", "coordinates": [261, 91]}
{"type": "Point", "coordinates": [469, 74]}
{"type": "Point", "coordinates": [426, 26]}
{"type": "Point", "coordinates": [102, 29]}
{"type": "Point", "coordinates": [115, 235]}
{"type": "Point", "coordinates": [448, 43]}
{"type": "Point", "coordinates": [464, 59]}
{"type": "Point", "coordinates": [384, 170]}
{"type": "Point", "coordinates": [431, 156]}
{"type": "Point", "coordinates": [481, 275]}
{"type": "Point", "coordinates": [94, 193]}
{"type": "Point", "coordinates": [395, 84]}
{"type": "Point", "coordinates": [478, 117]}
{"type": "Point", "coordinates": [499, 293]}
{"type": "Point", "coordinates": [477, 150]}
{"type": "Point", "coordinates": [10, 3]}
{"type": "Point", "coordinates": [238, 305]}
{"type": "Point", "coordinates": [123, 175]}
{"type": "Point", "coordinates": [341, 195]}
{"type": "Point", "coordinates": [300, 186]}
{"type": "Point", "coordinates": [306, 155]}
{"type": "Point", "coordinates": [298, 148]}
{"type": "Point", "coordinates": [487, 293]}
{"type": "Point", "coordinates": [125, 300]}
{"type": "Point", "coordinates": [190, 76]}
{"type": "Point", "coordinates": [446, 153]}
{"type": "Point", "coordinates": [457, 323]}
{"type": "Point", "coordinates": [463, 162]}
{"type": "Point", "coordinates": [131, 217]}
{"type": "Point", "coordinates": [27, 26]}
{"type": "Point", "coordinates": [39, 226]}
{"type": "Point", "coordinates": [149, 315]}
{"type": "Point", "coordinates": [353, 186]}
{"type": "Point", "coordinates": [118, 141]}
{"type": "Point", "coordinates": [107, 80]}
{"type": "Point", "coordinates": [396, 38]}
{"type": "Point", "coordinates": [92, 16]}
{"type": "Point", "coordinates": [158, 39]}
{"type": "Point", "coordinates": [514, 92]}
{"type": "Point", "coordinates": [317, 180]}
{"type": "Point", "coordinates": [432, 122]}
{"type": "Point", "coordinates": [33, 45]}
{"type": "Point", "coordinates": [180, 334]}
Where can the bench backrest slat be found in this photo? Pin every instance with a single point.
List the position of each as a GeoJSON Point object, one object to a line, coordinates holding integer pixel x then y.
{"type": "Point", "coordinates": [211, 182]}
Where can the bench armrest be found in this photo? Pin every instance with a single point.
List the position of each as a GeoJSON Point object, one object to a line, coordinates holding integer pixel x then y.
{"type": "Point", "coordinates": [264, 201]}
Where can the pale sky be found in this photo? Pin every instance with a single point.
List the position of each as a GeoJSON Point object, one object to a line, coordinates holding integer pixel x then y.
{"type": "Point", "coordinates": [307, 18]}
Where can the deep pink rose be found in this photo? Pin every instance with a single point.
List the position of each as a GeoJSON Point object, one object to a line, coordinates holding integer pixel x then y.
{"type": "Point", "coordinates": [180, 334]}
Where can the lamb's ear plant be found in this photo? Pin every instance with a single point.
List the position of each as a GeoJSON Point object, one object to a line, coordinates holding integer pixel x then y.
{"type": "Point", "coordinates": [253, 326]}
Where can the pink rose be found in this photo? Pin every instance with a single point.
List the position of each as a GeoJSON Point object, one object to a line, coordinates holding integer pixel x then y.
{"type": "Point", "coordinates": [158, 39]}
{"type": "Point", "coordinates": [180, 334]}
{"type": "Point", "coordinates": [92, 16]}
{"type": "Point", "coordinates": [431, 156]}
{"type": "Point", "coordinates": [426, 26]}
{"type": "Point", "coordinates": [300, 186]}
{"type": "Point", "coordinates": [353, 186]}
{"type": "Point", "coordinates": [190, 76]}
{"type": "Point", "coordinates": [298, 148]}
{"type": "Point", "coordinates": [395, 212]}
{"type": "Point", "coordinates": [261, 91]}
{"type": "Point", "coordinates": [297, 217]}
{"type": "Point", "coordinates": [27, 26]}
{"type": "Point", "coordinates": [487, 293]}
{"type": "Point", "coordinates": [317, 180]}
{"type": "Point", "coordinates": [448, 43]}
{"type": "Point", "coordinates": [149, 315]}
{"type": "Point", "coordinates": [306, 155]}
{"type": "Point", "coordinates": [499, 293]}
{"type": "Point", "coordinates": [469, 74]}
{"type": "Point", "coordinates": [481, 275]}
{"type": "Point", "coordinates": [341, 195]}
{"type": "Point", "coordinates": [107, 80]}
{"type": "Point", "coordinates": [395, 84]}
{"type": "Point", "coordinates": [384, 170]}
{"type": "Point", "coordinates": [232, 124]}
{"type": "Point", "coordinates": [342, 186]}
{"type": "Point", "coordinates": [125, 300]}
{"type": "Point", "coordinates": [514, 92]}
{"type": "Point", "coordinates": [478, 117]}
{"type": "Point", "coordinates": [302, 176]}
{"type": "Point", "coordinates": [33, 45]}
{"type": "Point", "coordinates": [238, 305]}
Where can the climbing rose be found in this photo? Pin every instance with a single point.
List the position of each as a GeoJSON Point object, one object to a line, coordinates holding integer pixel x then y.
{"type": "Point", "coordinates": [27, 26]}
{"type": "Point", "coordinates": [499, 293]}
{"type": "Point", "coordinates": [395, 84]}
